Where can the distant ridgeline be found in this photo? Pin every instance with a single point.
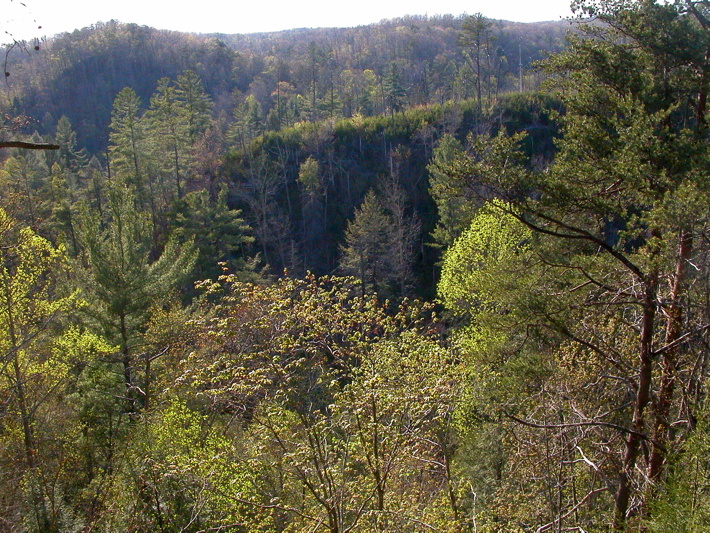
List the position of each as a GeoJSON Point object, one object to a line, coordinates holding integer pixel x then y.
{"type": "Point", "coordinates": [333, 72]}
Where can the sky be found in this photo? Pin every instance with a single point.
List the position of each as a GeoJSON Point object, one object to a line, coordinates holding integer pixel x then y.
{"type": "Point", "coordinates": [21, 18]}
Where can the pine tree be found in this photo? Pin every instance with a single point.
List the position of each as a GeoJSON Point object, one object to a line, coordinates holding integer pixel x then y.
{"type": "Point", "coordinates": [365, 252]}
{"type": "Point", "coordinates": [69, 155]}
{"type": "Point", "coordinates": [127, 139]}
{"type": "Point", "coordinates": [395, 94]}
{"type": "Point", "coordinates": [455, 199]}
{"type": "Point", "coordinates": [248, 121]}
{"type": "Point", "coordinates": [124, 278]}
{"type": "Point", "coordinates": [129, 158]}
{"type": "Point", "coordinates": [170, 135]}
{"type": "Point", "coordinates": [475, 39]}
{"type": "Point", "coordinates": [24, 184]}
{"type": "Point", "coordinates": [195, 103]}
{"type": "Point", "coordinates": [220, 234]}
{"type": "Point", "coordinates": [62, 223]}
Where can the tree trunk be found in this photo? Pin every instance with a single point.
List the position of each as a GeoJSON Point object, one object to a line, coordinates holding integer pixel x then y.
{"type": "Point", "coordinates": [643, 394]}
{"type": "Point", "coordinates": [662, 433]}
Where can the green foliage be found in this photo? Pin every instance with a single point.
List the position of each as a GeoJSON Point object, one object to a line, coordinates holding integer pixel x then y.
{"type": "Point", "coordinates": [122, 280]}
{"type": "Point", "coordinates": [366, 244]}
{"type": "Point", "coordinates": [178, 114]}
{"type": "Point", "coordinates": [308, 177]}
{"type": "Point", "coordinates": [248, 118]}
{"type": "Point", "coordinates": [322, 382]}
{"type": "Point", "coordinates": [485, 263]}
{"type": "Point", "coordinates": [195, 103]}
{"type": "Point", "coordinates": [454, 208]}
{"type": "Point", "coordinates": [127, 138]}
{"type": "Point", "coordinates": [22, 180]}
{"type": "Point", "coordinates": [394, 93]}
{"type": "Point", "coordinates": [221, 236]}
{"type": "Point", "coordinates": [582, 325]}
{"type": "Point", "coordinates": [683, 504]}
{"type": "Point", "coordinates": [180, 474]}
{"type": "Point", "coordinates": [377, 410]}
{"type": "Point", "coordinates": [169, 135]}
{"type": "Point", "coordinates": [304, 404]}
{"type": "Point", "coordinates": [35, 366]}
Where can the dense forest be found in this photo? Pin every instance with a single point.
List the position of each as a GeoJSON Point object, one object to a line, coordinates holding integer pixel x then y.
{"type": "Point", "coordinates": [434, 274]}
{"type": "Point", "coordinates": [281, 78]}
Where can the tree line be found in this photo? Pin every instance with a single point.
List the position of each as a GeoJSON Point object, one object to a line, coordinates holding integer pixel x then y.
{"type": "Point", "coordinates": [279, 79]}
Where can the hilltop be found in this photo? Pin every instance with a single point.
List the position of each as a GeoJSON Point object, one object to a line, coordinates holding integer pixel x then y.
{"type": "Point", "coordinates": [78, 74]}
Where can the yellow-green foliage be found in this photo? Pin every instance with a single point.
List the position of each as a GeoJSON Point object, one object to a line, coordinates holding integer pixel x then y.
{"type": "Point", "coordinates": [683, 504]}
{"type": "Point", "coordinates": [485, 261]}
{"type": "Point", "coordinates": [342, 407]}
{"type": "Point", "coordinates": [486, 279]}
{"type": "Point", "coordinates": [37, 363]}
{"type": "Point", "coordinates": [34, 355]}
{"type": "Point", "coordinates": [181, 473]}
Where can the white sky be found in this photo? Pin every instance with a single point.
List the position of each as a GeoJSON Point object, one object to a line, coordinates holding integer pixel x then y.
{"type": "Point", "coordinates": [247, 16]}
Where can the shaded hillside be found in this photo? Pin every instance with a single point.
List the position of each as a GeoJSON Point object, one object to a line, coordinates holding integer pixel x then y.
{"type": "Point", "coordinates": [294, 75]}
{"type": "Point", "coordinates": [79, 74]}
{"type": "Point", "coordinates": [301, 227]}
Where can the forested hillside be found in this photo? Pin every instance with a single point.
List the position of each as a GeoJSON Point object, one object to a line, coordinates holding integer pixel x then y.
{"type": "Point", "coordinates": [291, 76]}
{"type": "Point", "coordinates": [435, 274]}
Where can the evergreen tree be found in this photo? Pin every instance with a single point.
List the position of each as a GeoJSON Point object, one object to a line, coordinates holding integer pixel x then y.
{"type": "Point", "coordinates": [475, 39]}
{"type": "Point", "coordinates": [248, 122]}
{"type": "Point", "coordinates": [70, 156]}
{"type": "Point", "coordinates": [365, 252]}
{"type": "Point", "coordinates": [62, 224]}
{"type": "Point", "coordinates": [25, 185]}
{"type": "Point", "coordinates": [455, 201]}
{"type": "Point", "coordinates": [128, 151]}
{"type": "Point", "coordinates": [127, 138]}
{"type": "Point", "coordinates": [395, 94]}
{"type": "Point", "coordinates": [195, 103]}
{"type": "Point", "coordinates": [69, 182]}
{"type": "Point", "coordinates": [124, 280]}
{"type": "Point", "coordinates": [170, 135]}
{"type": "Point", "coordinates": [220, 234]}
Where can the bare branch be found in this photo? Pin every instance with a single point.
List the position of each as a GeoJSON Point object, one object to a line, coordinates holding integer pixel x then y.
{"type": "Point", "coordinates": [573, 233]}
{"type": "Point", "coordinates": [29, 145]}
{"type": "Point", "coordinates": [582, 424]}
{"type": "Point", "coordinates": [680, 340]}
{"type": "Point", "coordinates": [572, 510]}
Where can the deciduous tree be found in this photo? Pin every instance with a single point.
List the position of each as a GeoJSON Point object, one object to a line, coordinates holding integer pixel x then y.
{"type": "Point", "coordinates": [618, 255]}
{"type": "Point", "coordinates": [30, 308]}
